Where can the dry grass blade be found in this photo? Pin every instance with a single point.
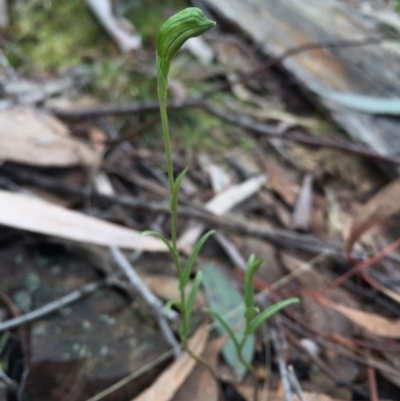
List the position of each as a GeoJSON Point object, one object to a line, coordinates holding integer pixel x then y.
{"type": "Point", "coordinates": [379, 208]}
{"type": "Point", "coordinates": [168, 383]}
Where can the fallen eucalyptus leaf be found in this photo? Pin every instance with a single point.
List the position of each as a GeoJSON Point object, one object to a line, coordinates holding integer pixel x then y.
{"type": "Point", "coordinates": [42, 217]}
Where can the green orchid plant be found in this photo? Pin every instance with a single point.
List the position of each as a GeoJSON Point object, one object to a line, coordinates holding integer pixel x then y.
{"type": "Point", "coordinates": [173, 34]}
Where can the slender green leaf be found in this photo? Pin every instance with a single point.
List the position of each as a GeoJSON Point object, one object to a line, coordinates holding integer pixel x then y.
{"type": "Point", "coordinates": [160, 237]}
{"type": "Point", "coordinates": [225, 300]}
{"type": "Point", "coordinates": [225, 325]}
{"type": "Point", "coordinates": [267, 313]}
{"type": "Point", "coordinates": [168, 306]}
{"type": "Point", "coordinates": [192, 296]}
{"type": "Point", "coordinates": [176, 187]}
{"type": "Point", "coordinates": [252, 266]}
{"type": "Point", "coordinates": [193, 256]}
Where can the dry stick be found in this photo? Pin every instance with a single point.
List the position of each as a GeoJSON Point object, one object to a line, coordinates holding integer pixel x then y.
{"type": "Point", "coordinates": [137, 108]}
{"type": "Point", "coordinates": [273, 132]}
{"type": "Point", "coordinates": [362, 266]}
{"type": "Point", "coordinates": [68, 299]}
{"type": "Point", "coordinates": [279, 237]}
{"type": "Point", "coordinates": [134, 375]}
{"type": "Point", "coordinates": [322, 365]}
{"type": "Point", "coordinates": [155, 304]}
{"type": "Point", "coordinates": [52, 307]}
{"type": "Point", "coordinates": [123, 109]}
{"type": "Point", "coordinates": [282, 238]}
{"type": "Point", "coordinates": [269, 130]}
{"type": "Point", "coordinates": [290, 53]}
{"type": "Point", "coordinates": [294, 381]}
{"type": "Point", "coordinates": [280, 347]}
{"type": "Point", "coordinates": [319, 338]}
{"type": "Point", "coordinates": [373, 390]}
{"type": "Point", "coordinates": [10, 383]}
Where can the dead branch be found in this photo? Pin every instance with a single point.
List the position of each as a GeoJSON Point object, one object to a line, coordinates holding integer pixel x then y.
{"type": "Point", "coordinates": [52, 307]}
{"type": "Point", "coordinates": [324, 367]}
{"type": "Point", "coordinates": [282, 238]}
{"type": "Point", "coordinates": [270, 131]}
{"type": "Point", "coordinates": [155, 304]}
{"type": "Point", "coordinates": [280, 347]}
{"type": "Point", "coordinates": [294, 381]}
{"type": "Point", "coordinates": [273, 132]}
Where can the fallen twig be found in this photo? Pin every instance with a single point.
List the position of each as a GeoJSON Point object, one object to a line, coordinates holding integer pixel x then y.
{"type": "Point", "coordinates": [10, 383]}
{"type": "Point", "coordinates": [299, 327]}
{"type": "Point", "coordinates": [155, 304]}
{"type": "Point", "coordinates": [373, 389]}
{"type": "Point", "coordinates": [270, 131]}
{"type": "Point", "coordinates": [135, 108]}
{"type": "Point", "coordinates": [274, 132]}
{"type": "Point", "coordinates": [294, 381]}
{"type": "Point", "coordinates": [282, 238]}
{"type": "Point", "coordinates": [122, 109]}
{"type": "Point", "coordinates": [52, 307]}
{"type": "Point", "coordinates": [322, 365]}
{"type": "Point", "coordinates": [280, 347]}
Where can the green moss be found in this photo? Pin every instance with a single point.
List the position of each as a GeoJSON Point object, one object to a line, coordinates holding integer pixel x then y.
{"type": "Point", "coordinates": [55, 34]}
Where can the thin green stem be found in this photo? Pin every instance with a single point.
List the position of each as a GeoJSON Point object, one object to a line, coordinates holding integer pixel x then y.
{"type": "Point", "coordinates": [184, 322]}
{"type": "Point", "coordinates": [201, 360]}
{"type": "Point", "coordinates": [250, 368]}
{"type": "Point", "coordinates": [162, 82]}
{"type": "Point", "coordinates": [162, 85]}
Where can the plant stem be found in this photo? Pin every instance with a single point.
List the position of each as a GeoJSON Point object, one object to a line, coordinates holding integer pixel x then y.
{"type": "Point", "coordinates": [201, 360]}
{"type": "Point", "coordinates": [249, 367]}
{"type": "Point", "coordinates": [162, 94]}
{"type": "Point", "coordinates": [162, 85]}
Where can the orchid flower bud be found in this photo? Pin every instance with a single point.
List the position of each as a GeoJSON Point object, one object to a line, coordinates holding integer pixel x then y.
{"type": "Point", "coordinates": [182, 26]}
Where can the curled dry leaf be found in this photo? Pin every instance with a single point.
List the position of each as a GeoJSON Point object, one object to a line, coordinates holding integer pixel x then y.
{"type": "Point", "coordinates": [379, 208]}
{"type": "Point", "coordinates": [38, 216]}
{"type": "Point", "coordinates": [28, 136]}
{"type": "Point", "coordinates": [373, 323]}
{"type": "Point", "coordinates": [168, 383]}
